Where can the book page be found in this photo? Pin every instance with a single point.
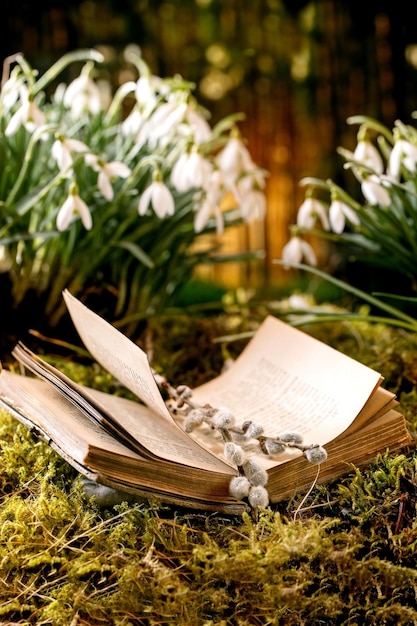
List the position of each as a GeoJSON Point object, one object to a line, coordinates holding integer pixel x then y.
{"type": "Point", "coordinates": [117, 354]}
{"type": "Point", "coordinates": [62, 422]}
{"type": "Point", "coordinates": [286, 380]}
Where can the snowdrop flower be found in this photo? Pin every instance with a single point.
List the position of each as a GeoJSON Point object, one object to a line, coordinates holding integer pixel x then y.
{"type": "Point", "coordinates": [28, 115]}
{"type": "Point", "coordinates": [309, 211]}
{"type": "Point", "coordinates": [404, 154]}
{"type": "Point", "coordinates": [73, 208]}
{"type": "Point", "coordinates": [106, 173]}
{"type": "Point", "coordinates": [63, 148]}
{"type": "Point", "coordinates": [191, 170]}
{"type": "Point", "coordinates": [173, 118]}
{"type": "Point", "coordinates": [210, 206]}
{"type": "Point", "coordinates": [338, 212]}
{"type": "Point", "coordinates": [234, 160]}
{"type": "Point", "coordinates": [296, 250]}
{"type": "Point", "coordinates": [9, 94]}
{"type": "Point", "coordinates": [374, 192]}
{"type": "Point", "coordinates": [159, 196]}
{"type": "Point", "coordinates": [366, 154]}
{"type": "Point", "coordinates": [145, 92]}
{"type": "Point", "coordinates": [253, 206]}
{"type": "Point", "coordinates": [252, 199]}
{"type": "Point", "coordinates": [82, 94]}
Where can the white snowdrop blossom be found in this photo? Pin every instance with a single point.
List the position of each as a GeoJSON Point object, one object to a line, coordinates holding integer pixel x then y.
{"type": "Point", "coordinates": [251, 198]}
{"type": "Point", "coordinates": [157, 195]}
{"type": "Point", "coordinates": [28, 115]}
{"type": "Point", "coordinates": [73, 208]}
{"type": "Point", "coordinates": [338, 213]}
{"type": "Point", "coordinates": [210, 207]}
{"type": "Point", "coordinates": [10, 91]}
{"type": "Point", "coordinates": [177, 119]}
{"type": "Point", "coordinates": [83, 95]}
{"type": "Point", "coordinates": [104, 145]}
{"type": "Point", "coordinates": [234, 160]}
{"type": "Point", "coordinates": [192, 169]}
{"type": "Point", "coordinates": [296, 250]}
{"type": "Point", "coordinates": [311, 210]}
{"type": "Point", "coordinates": [368, 155]}
{"type": "Point", "coordinates": [403, 154]}
{"type": "Point", "coordinates": [374, 192]}
{"type": "Point", "coordinates": [62, 150]}
{"type": "Point", "coordinates": [107, 172]}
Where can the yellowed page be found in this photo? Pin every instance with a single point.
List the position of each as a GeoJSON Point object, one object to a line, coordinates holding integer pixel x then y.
{"type": "Point", "coordinates": [73, 432]}
{"type": "Point", "coordinates": [286, 380]}
{"type": "Point", "coordinates": [117, 354]}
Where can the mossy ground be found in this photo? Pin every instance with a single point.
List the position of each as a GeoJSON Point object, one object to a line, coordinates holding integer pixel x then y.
{"type": "Point", "coordinates": [349, 557]}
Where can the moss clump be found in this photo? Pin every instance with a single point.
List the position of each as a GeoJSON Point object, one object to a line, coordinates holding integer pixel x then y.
{"type": "Point", "coordinates": [348, 557]}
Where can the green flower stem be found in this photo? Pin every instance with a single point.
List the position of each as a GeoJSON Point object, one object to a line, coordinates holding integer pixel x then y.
{"type": "Point", "coordinates": [369, 122]}
{"type": "Point", "coordinates": [27, 162]}
{"type": "Point", "coordinates": [402, 318]}
{"type": "Point", "coordinates": [63, 62]}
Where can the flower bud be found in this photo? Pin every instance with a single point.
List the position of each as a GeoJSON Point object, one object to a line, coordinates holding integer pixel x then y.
{"type": "Point", "coordinates": [223, 418]}
{"type": "Point", "coordinates": [254, 430]}
{"type": "Point", "coordinates": [258, 497]}
{"type": "Point", "coordinates": [292, 436]}
{"type": "Point", "coordinates": [234, 453]}
{"type": "Point", "coordinates": [239, 487]}
{"type": "Point", "coordinates": [255, 472]}
{"type": "Point", "coordinates": [273, 447]}
{"type": "Point", "coordinates": [194, 419]}
{"type": "Point", "coordinates": [184, 392]}
{"type": "Point", "coordinates": [316, 455]}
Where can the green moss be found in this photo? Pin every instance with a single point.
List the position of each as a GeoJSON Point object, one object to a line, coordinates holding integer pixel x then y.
{"type": "Point", "coordinates": [348, 557]}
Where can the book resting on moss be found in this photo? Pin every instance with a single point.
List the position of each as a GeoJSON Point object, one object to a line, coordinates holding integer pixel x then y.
{"type": "Point", "coordinates": [284, 379]}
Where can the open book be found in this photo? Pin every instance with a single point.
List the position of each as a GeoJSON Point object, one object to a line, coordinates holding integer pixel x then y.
{"type": "Point", "coordinates": [284, 379]}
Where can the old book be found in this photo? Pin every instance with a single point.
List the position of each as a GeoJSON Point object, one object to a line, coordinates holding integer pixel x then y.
{"type": "Point", "coordinates": [283, 379]}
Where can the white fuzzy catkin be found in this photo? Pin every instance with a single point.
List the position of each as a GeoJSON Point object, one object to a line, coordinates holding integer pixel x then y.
{"type": "Point", "coordinates": [194, 419]}
{"type": "Point", "coordinates": [274, 447]}
{"type": "Point", "coordinates": [239, 487]}
{"type": "Point", "coordinates": [258, 497]}
{"type": "Point", "coordinates": [316, 455]}
{"type": "Point", "coordinates": [292, 436]}
{"type": "Point", "coordinates": [254, 430]}
{"type": "Point", "coordinates": [223, 418]}
{"type": "Point", "coordinates": [234, 453]}
{"type": "Point", "coordinates": [255, 473]}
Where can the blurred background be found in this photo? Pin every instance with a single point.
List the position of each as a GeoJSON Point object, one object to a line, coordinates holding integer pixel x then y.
{"type": "Point", "coordinates": [296, 69]}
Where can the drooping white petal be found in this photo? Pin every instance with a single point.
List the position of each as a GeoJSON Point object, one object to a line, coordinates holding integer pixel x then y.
{"type": "Point", "coordinates": [160, 197]}
{"type": "Point", "coordinates": [162, 200]}
{"type": "Point", "coordinates": [104, 185]}
{"type": "Point", "coordinates": [403, 154]}
{"type": "Point", "coordinates": [368, 155]}
{"type": "Point", "coordinates": [374, 192]}
{"type": "Point", "coordinates": [309, 211]}
{"type": "Point", "coordinates": [336, 217]}
{"type": "Point", "coordinates": [296, 250]}
{"type": "Point", "coordinates": [253, 205]}
{"type": "Point", "coordinates": [234, 160]}
{"type": "Point", "coordinates": [72, 208]}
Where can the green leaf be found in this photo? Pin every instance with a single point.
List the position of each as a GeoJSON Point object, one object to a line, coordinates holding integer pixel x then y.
{"type": "Point", "coordinates": [135, 251]}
